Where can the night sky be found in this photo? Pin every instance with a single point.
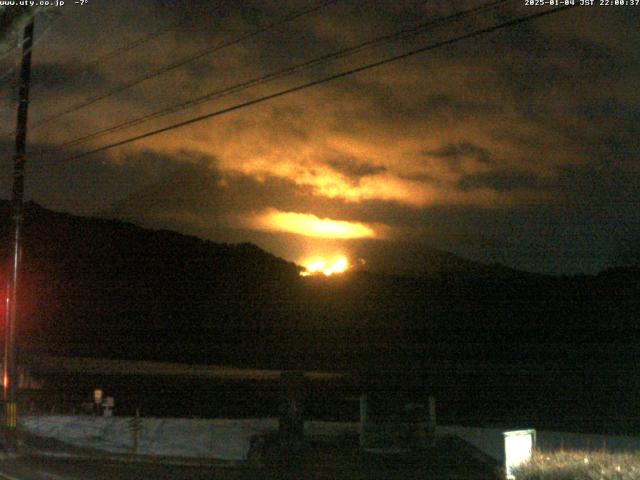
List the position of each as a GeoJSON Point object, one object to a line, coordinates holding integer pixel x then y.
{"type": "Point", "coordinates": [520, 146]}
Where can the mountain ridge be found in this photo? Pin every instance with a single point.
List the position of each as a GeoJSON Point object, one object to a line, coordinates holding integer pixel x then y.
{"type": "Point", "coordinates": [109, 289]}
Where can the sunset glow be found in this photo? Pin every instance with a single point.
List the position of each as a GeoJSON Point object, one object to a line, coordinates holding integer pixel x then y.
{"type": "Point", "coordinates": [319, 266]}
{"type": "Point", "coordinates": [312, 226]}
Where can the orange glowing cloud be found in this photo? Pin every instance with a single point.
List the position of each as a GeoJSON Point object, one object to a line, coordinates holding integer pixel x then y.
{"type": "Point", "coordinates": [312, 226]}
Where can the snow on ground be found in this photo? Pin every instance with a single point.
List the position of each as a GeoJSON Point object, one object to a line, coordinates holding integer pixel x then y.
{"type": "Point", "coordinates": [201, 438]}
{"type": "Point", "coordinates": [231, 439]}
{"type": "Point", "coordinates": [219, 439]}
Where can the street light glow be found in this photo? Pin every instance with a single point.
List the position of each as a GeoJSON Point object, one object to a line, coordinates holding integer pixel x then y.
{"type": "Point", "coordinates": [319, 266]}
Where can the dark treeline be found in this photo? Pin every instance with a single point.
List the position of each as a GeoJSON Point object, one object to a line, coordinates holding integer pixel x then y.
{"type": "Point", "coordinates": [496, 345]}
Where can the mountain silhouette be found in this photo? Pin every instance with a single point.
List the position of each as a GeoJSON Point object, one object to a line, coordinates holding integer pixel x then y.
{"type": "Point", "coordinates": [475, 333]}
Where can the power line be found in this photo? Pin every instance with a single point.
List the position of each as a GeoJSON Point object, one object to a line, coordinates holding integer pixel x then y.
{"type": "Point", "coordinates": [102, 59]}
{"type": "Point", "coordinates": [180, 63]}
{"type": "Point", "coordinates": [12, 70]}
{"type": "Point", "coordinates": [108, 56]}
{"type": "Point", "coordinates": [9, 51]}
{"type": "Point", "coordinates": [129, 46]}
{"type": "Point", "coordinates": [314, 83]}
{"type": "Point", "coordinates": [216, 94]}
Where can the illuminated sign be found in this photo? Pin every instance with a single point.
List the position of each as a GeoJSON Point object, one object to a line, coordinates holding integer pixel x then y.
{"type": "Point", "coordinates": [518, 448]}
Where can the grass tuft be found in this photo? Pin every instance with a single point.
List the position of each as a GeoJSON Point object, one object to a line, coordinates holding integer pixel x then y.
{"type": "Point", "coordinates": [580, 465]}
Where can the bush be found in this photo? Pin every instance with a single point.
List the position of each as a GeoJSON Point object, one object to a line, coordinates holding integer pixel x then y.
{"type": "Point", "coordinates": [578, 465]}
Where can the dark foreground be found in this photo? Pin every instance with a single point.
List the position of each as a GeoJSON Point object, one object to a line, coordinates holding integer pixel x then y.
{"type": "Point", "coordinates": [66, 469]}
{"type": "Point", "coordinates": [445, 458]}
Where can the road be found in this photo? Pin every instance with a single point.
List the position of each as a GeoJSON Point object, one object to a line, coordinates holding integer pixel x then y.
{"type": "Point", "coordinates": [36, 468]}
{"type": "Point", "coordinates": [39, 468]}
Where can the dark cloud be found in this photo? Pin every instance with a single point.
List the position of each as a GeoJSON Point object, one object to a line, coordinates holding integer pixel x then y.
{"type": "Point", "coordinates": [608, 108]}
{"type": "Point", "coordinates": [627, 250]}
{"type": "Point", "coordinates": [188, 14]}
{"type": "Point", "coordinates": [197, 189]}
{"type": "Point", "coordinates": [84, 186]}
{"type": "Point", "coordinates": [518, 147]}
{"type": "Point", "coordinates": [391, 108]}
{"type": "Point", "coordinates": [65, 77]}
{"type": "Point", "coordinates": [12, 21]}
{"type": "Point", "coordinates": [453, 154]}
{"type": "Point", "coordinates": [354, 168]}
{"type": "Point", "coordinates": [500, 181]}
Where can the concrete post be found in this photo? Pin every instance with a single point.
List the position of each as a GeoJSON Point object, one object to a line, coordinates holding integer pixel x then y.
{"type": "Point", "coordinates": [363, 419]}
{"type": "Point", "coordinates": [291, 422]}
{"type": "Point", "coordinates": [432, 412]}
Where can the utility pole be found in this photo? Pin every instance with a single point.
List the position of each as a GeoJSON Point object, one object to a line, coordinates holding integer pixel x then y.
{"type": "Point", "coordinates": [10, 371]}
